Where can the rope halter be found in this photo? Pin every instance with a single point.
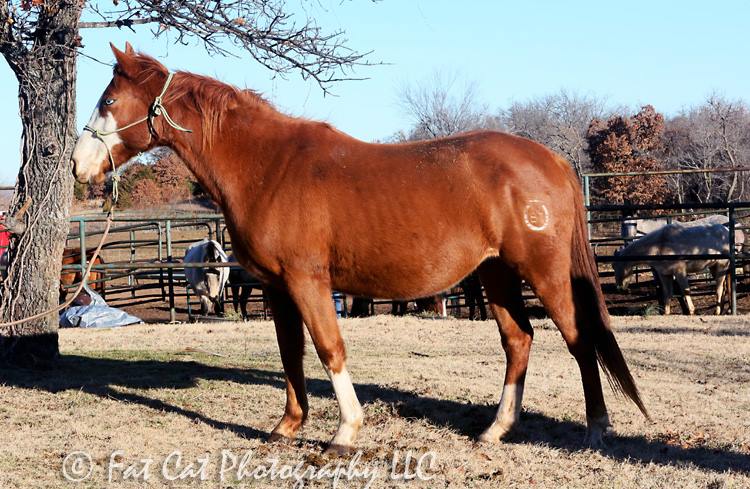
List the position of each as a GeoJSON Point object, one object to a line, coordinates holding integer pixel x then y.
{"type": "Point", "coordinates": [156, 109]}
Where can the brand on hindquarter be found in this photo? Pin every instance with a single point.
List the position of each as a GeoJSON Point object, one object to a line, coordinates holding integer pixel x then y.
{"type": "Point", "coordinates": [536, 215]}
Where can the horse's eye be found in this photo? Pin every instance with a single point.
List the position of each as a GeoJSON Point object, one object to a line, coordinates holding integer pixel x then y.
{"type": "Point", "coordinates": [109, 101]}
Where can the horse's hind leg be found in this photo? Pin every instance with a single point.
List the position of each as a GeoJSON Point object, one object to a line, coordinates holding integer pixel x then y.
{"type": "Point", "coordinates": [244, 297]}
{"type": "Point", "coordinates": [291, 338]}
{"type": "Point", "coordinates": [503, 288]}
{"type": "Point", "coordinates": [554, 287]}
{"type": "Point", "coordinates": [721, 281]}
{"type": "Point", "coordinates": [235, 290]}
{"type": "Point", "coordinates": [666, 293]}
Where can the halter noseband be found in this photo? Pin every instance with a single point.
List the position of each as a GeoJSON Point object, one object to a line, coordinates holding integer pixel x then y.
{"type": "Point", "coordinates": [157, 108]}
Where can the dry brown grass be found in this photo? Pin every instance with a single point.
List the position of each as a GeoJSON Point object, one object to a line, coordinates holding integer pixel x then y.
{"type": "Point", "coordinates": [426, 385]}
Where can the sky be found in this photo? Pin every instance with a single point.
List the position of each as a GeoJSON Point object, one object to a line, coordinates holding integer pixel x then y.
{"type": "Point", "coordinates": [667, 53]}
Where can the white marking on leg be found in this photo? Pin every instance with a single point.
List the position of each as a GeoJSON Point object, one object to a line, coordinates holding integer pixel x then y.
{"type": "Point", "coordinates": [595, 429]}
{"type": "Point", "coordinates": [507, 415]}
{"type": "Point", "coordinates": [689, 302]}
{"type": "Point", "coordinates": [90, 152]}
{"type": "Point", "coordinates": [350, 409]}
{"type": "Point", "coordinates": [536, 215]}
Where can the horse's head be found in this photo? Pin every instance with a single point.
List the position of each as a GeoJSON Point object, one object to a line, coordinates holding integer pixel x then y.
{"type": "Point", "coordinates": [623, 272]}
{"type": "Point", "coordinates": [128, 98]}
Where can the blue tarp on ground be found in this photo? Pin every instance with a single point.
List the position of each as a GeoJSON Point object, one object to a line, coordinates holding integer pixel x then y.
{"type": "Point", "coordinates": [95, 315]}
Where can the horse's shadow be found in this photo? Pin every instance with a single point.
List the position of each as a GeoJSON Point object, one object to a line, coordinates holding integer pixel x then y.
{"type": "Point", "coordinates": [98, 376]}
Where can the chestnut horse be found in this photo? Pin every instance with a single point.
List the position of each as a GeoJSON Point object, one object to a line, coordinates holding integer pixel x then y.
{"type": "Point", "coordinates": [311, 210]}
{"type": "Point", "coordinates": [72, 256]}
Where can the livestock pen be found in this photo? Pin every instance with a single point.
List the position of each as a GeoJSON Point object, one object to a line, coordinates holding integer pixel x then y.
{"type": "Point", "coordinates": [144, 266]}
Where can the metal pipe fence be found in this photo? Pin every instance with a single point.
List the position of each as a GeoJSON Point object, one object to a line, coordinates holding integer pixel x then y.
{"type": "Point", "coordinates": [735, 211]}
{"type": "Point", "coordinates": [143, 256]}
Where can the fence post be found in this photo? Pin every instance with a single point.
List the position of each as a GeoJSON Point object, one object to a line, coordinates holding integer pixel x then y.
{"type": "Point", "coordinates": [170, 274]}
{"type": "Point", "coordinates": [219, 236]}
{"type": "Point", "coordinates": [131, 282]}
{"type": "Point", "coordinates": [160, 257]}
{"type": "Point", "coordinates": [732, 271]}
{"type": "Point", "coordinates": [587, 202]}
{"type": "Point", "coordinates": [82, 247]}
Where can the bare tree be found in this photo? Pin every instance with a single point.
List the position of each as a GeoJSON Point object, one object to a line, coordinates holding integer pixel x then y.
{"type": "Point", "coordinates": [559, 121]}
{"type": "Point", "coordinates": [40, 40]}
{"type": "Point", "coordinates": [712, 135]}
{"type": "Point", "coordinates": [442, 106]}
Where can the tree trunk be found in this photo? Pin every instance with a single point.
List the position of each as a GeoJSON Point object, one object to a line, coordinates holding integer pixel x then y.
{"type": "Point", "coordinates": [46, 75]}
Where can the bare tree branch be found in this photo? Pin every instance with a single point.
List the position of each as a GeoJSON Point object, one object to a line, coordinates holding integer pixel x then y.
{"type": "Point", "coordinates": [276, 38]}
{"type": "Point", "coordinates": [119, 23]}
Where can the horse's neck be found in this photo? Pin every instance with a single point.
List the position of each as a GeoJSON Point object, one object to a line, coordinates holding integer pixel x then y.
{"type": "Point", "coordinates": [636, 248]}
{"type": "Point", "coordinates": [229, 165]}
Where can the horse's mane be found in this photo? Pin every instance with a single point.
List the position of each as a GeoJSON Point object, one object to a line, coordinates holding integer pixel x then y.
{"type": "Point", "coordinates": [208, 97]}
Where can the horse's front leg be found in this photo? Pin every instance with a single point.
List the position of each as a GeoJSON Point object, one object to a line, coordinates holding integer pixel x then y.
{"type": "Point", "coordinates": [291, 338]}
{"type": "Point", "coordinates": [684, 284]}
{"type": "Point", "coordinates": [313, 298]}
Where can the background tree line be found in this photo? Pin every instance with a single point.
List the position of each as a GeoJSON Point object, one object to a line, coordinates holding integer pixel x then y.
{"type": "Point", "coordinates": [592, 135]}
{"type": "Point", "coordinates": [596, 137]}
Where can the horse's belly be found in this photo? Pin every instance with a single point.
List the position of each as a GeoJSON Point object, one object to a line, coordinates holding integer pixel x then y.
{"type": "Point", "coordinates": [409, 276]}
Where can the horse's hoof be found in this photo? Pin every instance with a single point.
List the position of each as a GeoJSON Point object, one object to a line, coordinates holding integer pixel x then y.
{"type": "Point", "coordinates": [594, 441]}
{"type": "Point", "coordinates": [495, 433]}
{"type": "Point", "coordinates": [595, 432]}
{"type": "Point", "coordinates": [279, 438]}
{"type": "Point", "coordinates": [337, 450]}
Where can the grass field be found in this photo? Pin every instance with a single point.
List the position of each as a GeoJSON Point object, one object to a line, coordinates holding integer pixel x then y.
{"type": "Point", "coordinates": [427, 386]}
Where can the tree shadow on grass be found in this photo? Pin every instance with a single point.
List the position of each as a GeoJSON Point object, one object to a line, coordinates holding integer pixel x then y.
{"type": "Point", "coordinates": [98, 376]}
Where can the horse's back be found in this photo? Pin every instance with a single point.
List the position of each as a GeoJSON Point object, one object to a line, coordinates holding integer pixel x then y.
{"type": "Point", "coordinates": [449, 204]}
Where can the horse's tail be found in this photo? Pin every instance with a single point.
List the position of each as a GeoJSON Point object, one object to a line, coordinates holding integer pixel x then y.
{"type": "Point", "coordinates": [590, 301]}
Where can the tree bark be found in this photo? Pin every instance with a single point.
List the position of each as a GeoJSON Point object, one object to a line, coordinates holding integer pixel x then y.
{"type": "Point", "coordinates": [46, 73]}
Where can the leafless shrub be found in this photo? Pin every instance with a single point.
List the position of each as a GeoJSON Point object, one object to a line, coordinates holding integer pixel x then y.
{"type": "Point", "coordinates": [442, 106]}
{"type": "Point", "coordinates": [715, 134]}
{"type": "Point", "coordinates": [559, 121]}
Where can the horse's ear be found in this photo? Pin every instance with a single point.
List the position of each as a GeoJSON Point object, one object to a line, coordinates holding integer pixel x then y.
{"type": "Point", "coordinates": [126, 62]}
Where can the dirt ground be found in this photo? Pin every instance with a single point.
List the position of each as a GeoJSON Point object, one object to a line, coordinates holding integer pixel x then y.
{"type": "Point", "coordinates": [428, 388]}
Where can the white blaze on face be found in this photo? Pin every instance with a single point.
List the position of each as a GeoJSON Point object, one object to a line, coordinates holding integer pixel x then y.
{"type": "Point", "coordinates": [90, 152]}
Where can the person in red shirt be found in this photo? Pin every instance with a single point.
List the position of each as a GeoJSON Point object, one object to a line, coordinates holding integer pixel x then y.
{"type": "Point", "coordinates": [4, 236]}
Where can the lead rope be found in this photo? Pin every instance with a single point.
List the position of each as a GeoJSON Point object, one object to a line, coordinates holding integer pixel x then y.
{"type": "Point", "coordinates": [157, 109]}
